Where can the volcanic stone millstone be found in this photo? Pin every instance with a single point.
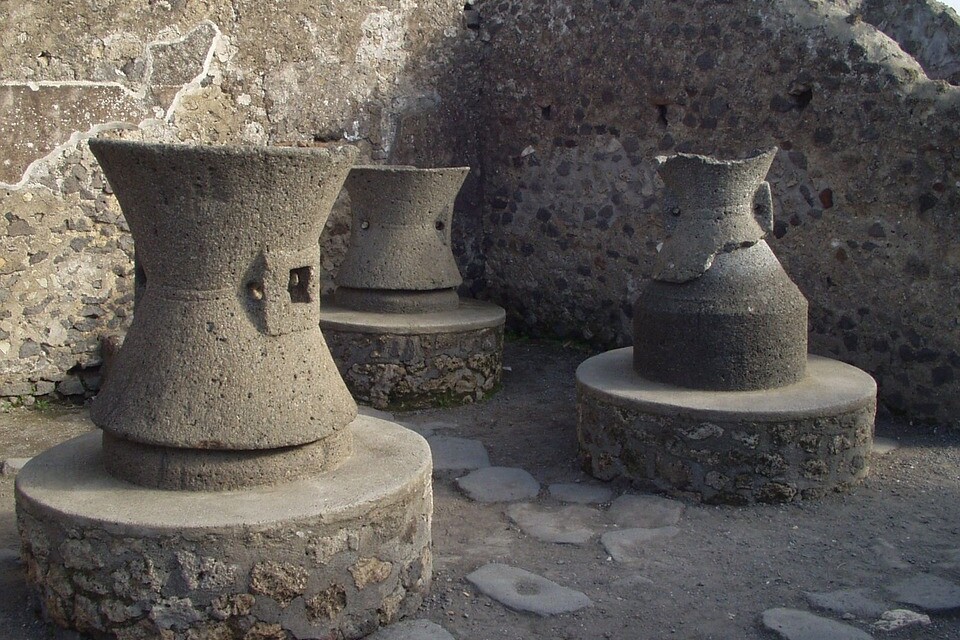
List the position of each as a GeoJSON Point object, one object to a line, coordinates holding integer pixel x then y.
{"type": "Point", "coordinates": [400, 259]}
{"type": "Point", "coordinates": [225, 352]}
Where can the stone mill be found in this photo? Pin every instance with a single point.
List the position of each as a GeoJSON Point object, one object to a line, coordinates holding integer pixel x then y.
{"type": "Point", "coordinates": [234, 491]}
{"type": "Point", "coordinates": [718, 398]}
{"type": "Point", "coordinates": [398, 331]}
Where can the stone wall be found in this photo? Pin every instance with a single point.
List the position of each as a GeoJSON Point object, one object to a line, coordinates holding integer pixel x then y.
{"type": "Point", "coordinates": [580, 96]}
{"type": "Point", "coordinates": [385, 75]}
{"type": "Point", "coordinates": [560, 107]}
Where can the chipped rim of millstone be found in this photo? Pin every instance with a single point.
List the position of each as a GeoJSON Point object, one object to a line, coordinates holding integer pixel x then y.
{"type": "Point", "coordinates": [752, 157]}
{"type": "Point", "coordinates": [224, 149]}
{"type": "Point", "coordinates": [405, 168]}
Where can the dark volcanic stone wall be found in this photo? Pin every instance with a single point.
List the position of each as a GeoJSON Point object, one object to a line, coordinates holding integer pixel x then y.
{"type": "Point", "coordinates": [578, 98]}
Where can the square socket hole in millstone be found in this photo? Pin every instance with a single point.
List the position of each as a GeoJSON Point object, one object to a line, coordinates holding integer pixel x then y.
{"type": "Point", "coordinates": [299, 284]}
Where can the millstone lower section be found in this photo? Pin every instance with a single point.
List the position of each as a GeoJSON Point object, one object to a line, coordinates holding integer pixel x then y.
{"type": "Point", "coordinates": [417, 360]}
{"type": "Point", "coordinates": [775, 445]}
{"type": "Point", "coordinates": [336, 555]}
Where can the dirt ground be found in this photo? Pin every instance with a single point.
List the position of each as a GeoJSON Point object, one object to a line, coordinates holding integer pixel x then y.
{"type": "Point", "coordinates": [712, 581]}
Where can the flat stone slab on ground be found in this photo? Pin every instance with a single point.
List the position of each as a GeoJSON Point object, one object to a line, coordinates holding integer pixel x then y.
{"type": "Point", "coordinates": [645, 512]}
{"type": "Point", "coordinates": [852, 601]}
{"type": "Point", "coordinates": [580, 493]}
{"type": "Point", "coordinates": [499, 484]}
{"type": "Point", "coordinates": [412, 630]}
{"type": "Point", "coordinates": [457, 453]}
{"type": "Point", "coordinates": [568, 525]}
{"type": "Point", "coordinates": [928, 592]}
{"type": "Point", "coordinates": [627, 545]}
{"type": "Point", "coordinates": [524, 591]}
{"type": "Point", "coordinates": [792, 624]}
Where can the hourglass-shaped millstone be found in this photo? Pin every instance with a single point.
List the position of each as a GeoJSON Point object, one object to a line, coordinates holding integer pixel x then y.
{"type": "Point", "coordinates": [399, 259]}
{"type": "Point", "coordinates": [720, 312]}
{"type": "Point", "coordinates": [224, 379]}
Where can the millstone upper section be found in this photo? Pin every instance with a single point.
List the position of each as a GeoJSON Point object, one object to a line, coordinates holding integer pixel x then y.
{"type": "Point", "coordinates": [720, 313]}
{"type": "Point", "coordinates": [400, 258]}
{"type": "Point", "coordinates": [225, 350]}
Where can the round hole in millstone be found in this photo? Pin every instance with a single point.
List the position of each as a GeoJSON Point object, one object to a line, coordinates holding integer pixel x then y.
{"type": "Point", "coordinates": [255, 289]}
{"type": "Point", "coordinates": [527, 587]}
{"type": "Point", "coordinates": [439, 225]}
{"type": "Point", "coordinates": [364, 225]}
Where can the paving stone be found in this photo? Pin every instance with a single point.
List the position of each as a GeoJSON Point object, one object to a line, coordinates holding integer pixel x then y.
{"type": "Point", "coordinates": [900, 618]}
{"type": "Point", "coordinates": [630, 544]}
{"type": "Point", "coordinates": [883, 446]}
{"type": "Point", "coordinates": [580, 492]}
{"type": "Point", "coordinates": [792, 624]}
{"type": "Point", "coordinates": [11, 466]}
{"type": "Point", "coordinates": [853, 601]}
{"type": "Point", "coordinates": [928, 592]}
{"type": "Point", "coordinates": [574, 524]}
{"type": "Point", "coordinates": [457, 453]}
{"type": "Point", "coordinates": [524, 591]}
{"type": "Point", "coordinates": [499, 484]}
{"type": "Point", "coordinates": [412, 630]}
{"type": "Point", "coordinates": [645, 512]}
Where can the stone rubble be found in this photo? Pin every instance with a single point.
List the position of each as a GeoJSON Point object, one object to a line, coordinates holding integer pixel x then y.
{"type": "Point", "coordinates": [899, 618]}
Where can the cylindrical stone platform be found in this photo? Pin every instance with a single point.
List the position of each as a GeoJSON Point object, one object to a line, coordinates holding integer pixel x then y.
{"type": "Point", "coordinates": [417, 360]}
{"type": "Point", "coordinates": [330, 556]}
{"type": "Point", "coordinates": [734, 447]}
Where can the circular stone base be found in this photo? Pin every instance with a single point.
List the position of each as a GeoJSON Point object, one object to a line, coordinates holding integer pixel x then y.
{"type": "Point", "coordinates": [334, 556]}
{"type": "Point", "coordinates": [734, 447]}
{"type": "Point", "coordinates": [417, 360]}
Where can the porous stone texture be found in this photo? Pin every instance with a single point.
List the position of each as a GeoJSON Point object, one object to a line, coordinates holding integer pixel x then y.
{"type": "Point", "coordinates": [777, 445]}
{"type": "Point", "coordinates": [578, 102]}
{"type": "Point", "coordinates": [559, 224]}
{"type": "Point", "coordinates": [325, 556]}
{"type": "Point", "coordinates": [224, 357]}
{"type": "Point", "coordinates": [392, 76]}
{"type": "Point", "coordinates": [413, 361]}
{"type": "Point", "coordinates": [399, 259]}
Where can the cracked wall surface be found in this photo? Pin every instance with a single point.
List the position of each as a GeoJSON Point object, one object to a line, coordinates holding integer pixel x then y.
{"type": "Point", "coordinates": [560, 108]}
{"type": "Point", "coordinates": [383, 75]}
{"type": "Point", "coordinates": [580, 97]}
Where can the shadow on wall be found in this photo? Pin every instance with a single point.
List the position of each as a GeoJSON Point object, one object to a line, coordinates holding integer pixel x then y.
{"type": "Point", "coordinates": [579, 99]}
